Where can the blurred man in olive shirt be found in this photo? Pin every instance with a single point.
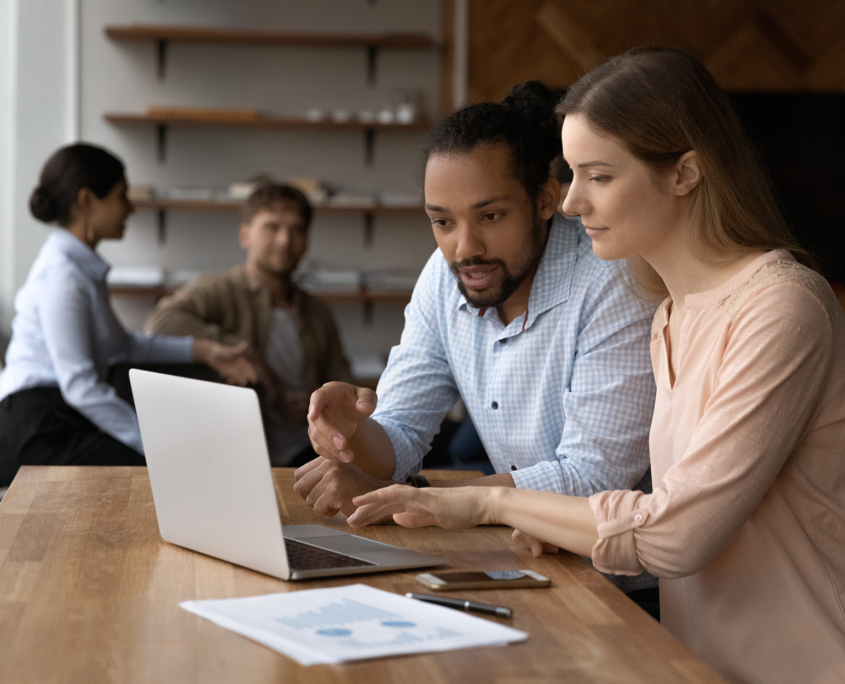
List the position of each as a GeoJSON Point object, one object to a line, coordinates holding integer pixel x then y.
{"type": "Point", "coordinates": [295, 343]}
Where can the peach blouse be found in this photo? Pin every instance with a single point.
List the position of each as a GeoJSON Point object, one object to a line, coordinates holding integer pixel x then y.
{"type": "Point", "coordinates": [746, 524]}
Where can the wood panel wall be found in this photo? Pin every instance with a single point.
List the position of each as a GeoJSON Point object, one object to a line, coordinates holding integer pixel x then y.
{"type": "Point", "coordinates": [746, 44]}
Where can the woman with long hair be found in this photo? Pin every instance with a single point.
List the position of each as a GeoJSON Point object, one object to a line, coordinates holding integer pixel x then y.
{"type": "Point", "coordinates": [56, 407]}
{"type": "Point", "coordinates": [746, 522]}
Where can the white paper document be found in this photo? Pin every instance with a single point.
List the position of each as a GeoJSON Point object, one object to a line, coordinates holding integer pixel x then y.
{"type": "Point", "coordinates": [354, 622]}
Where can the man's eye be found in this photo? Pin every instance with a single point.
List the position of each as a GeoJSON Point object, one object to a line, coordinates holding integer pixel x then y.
{"type": "Point", "coordinates": [492, 216]}
{"type": "Point", "coordinates": [439, 223]}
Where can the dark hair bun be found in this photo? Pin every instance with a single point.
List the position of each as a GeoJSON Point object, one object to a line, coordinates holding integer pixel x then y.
{"type": "Point", "coordinates": [43, 206]}
{"type": "Point", "coordinates": [68, 171]}
{"type": "Point", "coordinates": [534, 99]}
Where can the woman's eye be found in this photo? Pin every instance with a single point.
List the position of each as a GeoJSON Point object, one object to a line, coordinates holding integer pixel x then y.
{"type": "Point", "coordinates": [600, 179]}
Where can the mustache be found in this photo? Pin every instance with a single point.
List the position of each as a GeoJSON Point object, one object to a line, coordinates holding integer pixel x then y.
{"type": "Point", "coordinates": [474, 261]}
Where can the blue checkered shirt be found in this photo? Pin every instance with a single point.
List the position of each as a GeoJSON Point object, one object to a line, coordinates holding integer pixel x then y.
{"type": "Point", "coordinates": [564, 393]}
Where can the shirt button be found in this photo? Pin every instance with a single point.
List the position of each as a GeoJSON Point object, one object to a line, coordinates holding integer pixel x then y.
{"type": "Point", "coordinates": [638, 517]}
{"type": "Point", "coordinates": [495, 404]}
{"type": "Point", "coordinates": [503, 341]}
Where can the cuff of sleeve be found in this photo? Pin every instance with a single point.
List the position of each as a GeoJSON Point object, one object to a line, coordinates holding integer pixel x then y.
{"type": "Point", "coordinates": [181, 348]}
{"type": "Point", "coordinates": [617, 516]}
{"type": "Point", "coordinates": [543, 477]}
{"type": "Point", "coordinates": [406, 459]}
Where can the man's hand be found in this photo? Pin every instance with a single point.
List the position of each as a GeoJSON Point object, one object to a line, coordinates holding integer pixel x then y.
{"type": "Point", "coordinates": [231, 363]}
{"type": "Point", "coordinates": [329, 487]}
{"type": "Point", "coordinates": [334, 414]}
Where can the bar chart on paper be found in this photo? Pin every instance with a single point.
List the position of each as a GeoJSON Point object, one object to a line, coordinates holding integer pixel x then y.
{"type": "Point", "coordinates": [350, 623]}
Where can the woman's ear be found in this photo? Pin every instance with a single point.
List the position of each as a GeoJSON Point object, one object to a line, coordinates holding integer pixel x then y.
{"type": "Point", "coordinates": [84, 200]}
{"type": "Point", "coordinates": [688, 173]}
{"type": "Point", "coordinates": [549, 199]}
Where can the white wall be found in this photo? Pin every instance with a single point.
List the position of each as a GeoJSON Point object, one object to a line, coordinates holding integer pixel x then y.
{"type": "Point", "coordinates": [275, 80]}
{"type": "Point", "coordinates": [122, 77]}
{"type": "Point", "coordinates": [7, 67]}
{"type": "Point", "coordinates": [34, 120]}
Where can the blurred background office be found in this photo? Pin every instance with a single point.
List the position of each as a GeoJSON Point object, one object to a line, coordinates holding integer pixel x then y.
{"type": "Point", "coordinates": [201, 98]}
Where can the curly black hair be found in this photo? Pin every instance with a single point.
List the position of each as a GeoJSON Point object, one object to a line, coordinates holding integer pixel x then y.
{"type": "Point", "coordinates": [525, 121]}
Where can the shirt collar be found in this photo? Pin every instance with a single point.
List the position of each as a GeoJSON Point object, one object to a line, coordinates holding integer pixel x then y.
{"type": "Point", "coordinates": [554, 274]}
{"type": "Point", "coordinates": [79, 253]}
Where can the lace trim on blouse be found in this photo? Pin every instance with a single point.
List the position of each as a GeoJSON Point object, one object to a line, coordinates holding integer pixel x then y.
{"type": "Point", "coordinates": [772, 273]}
{"type": "Point", "coordinates": [782, 273]}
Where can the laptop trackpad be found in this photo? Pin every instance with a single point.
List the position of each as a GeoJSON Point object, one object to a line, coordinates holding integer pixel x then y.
{"type": "Point", "coordinates": [348, 544]}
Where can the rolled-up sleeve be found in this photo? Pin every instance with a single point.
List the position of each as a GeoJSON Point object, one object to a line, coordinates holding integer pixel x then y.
{"type": "Point", "coordinates": [773, 369]}
{"type": "Point", "coordinates": [607, 403]}
{"type": "Point", "coordinates": [417, 389]}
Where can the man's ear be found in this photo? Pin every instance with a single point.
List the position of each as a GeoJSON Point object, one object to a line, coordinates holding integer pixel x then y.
{"type": "Point", "coordinates": [243, 236]}
{"type": "Point", "coordinates": [688, 173]}
{"type": "Point", "coordinates": [549, 198]}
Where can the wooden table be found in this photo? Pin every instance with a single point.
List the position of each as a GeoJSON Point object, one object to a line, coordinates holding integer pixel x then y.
{"type": "Point", "coordinates": [89, 593]}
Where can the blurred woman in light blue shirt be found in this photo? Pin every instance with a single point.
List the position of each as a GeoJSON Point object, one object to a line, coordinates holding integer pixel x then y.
{"type": "Point", "coordinates": [56, 407]}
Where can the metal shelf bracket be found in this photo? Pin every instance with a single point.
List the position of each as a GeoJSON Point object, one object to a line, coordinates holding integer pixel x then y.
{"type": "Point", "coordinates": [162, 226]}
{"type": "Point", "coordinates": [161, 138]}
{"type": "Point", "coordinates": [369, 146]}
{"type": "Point", "coordinates": [369, 224]}
{"type": "Point", "coordinates": [372, 64]}
{"type": "Point", "coordinates": [161, 54]}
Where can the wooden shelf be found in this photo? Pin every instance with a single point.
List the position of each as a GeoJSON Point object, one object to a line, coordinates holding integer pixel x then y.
{"type": "Point", "coordinates": [164, 122]}
{"type": "Point", "coordinates": [363, 295]}
{"type": "Point", "coordinates": [228, 206]}
{"type": "Point", "coordinates": [194, 34]}
{"type": "Point", "coordinates": [261, 122]}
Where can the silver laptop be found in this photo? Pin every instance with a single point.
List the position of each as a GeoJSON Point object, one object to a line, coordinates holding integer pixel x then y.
{"type": "Point", "coordinates": [213, 487]}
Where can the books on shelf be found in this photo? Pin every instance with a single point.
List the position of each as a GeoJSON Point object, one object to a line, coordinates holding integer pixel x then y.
{"type": "Point", "coordinates": [325, 280]}
{"type": "Point", "coordinates": [317, 192]}
{"type": "Point", "coordinates": [136, 276]}
{"type": "Point", "coordinates": [390, 281]}
{"type": "Point", "coordinates": [192, 194]}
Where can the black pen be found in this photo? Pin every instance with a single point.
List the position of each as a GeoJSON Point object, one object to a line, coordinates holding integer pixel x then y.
{"type": "Point", "coordinates": [458, 604]}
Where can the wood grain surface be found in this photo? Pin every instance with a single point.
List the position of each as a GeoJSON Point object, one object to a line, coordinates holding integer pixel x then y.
{"type": "Point", "coordinates": [89, 593]}
{"type": "Point", "coordinates": [746, 44]}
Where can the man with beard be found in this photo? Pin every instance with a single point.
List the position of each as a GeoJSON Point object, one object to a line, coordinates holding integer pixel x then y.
{"type": "Point", "coordinates": [545, 343]}
{"type": "Point", "coordinates": [295, 344]}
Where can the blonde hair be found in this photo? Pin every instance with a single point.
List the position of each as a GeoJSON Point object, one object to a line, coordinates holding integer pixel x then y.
{"type": "Point", "coordinates": [662, 103]}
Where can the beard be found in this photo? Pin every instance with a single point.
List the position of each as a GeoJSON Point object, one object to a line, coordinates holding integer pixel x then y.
{"type": "Point", "coordinates": [510, 281]}
{"type": "Point", "coordinates": [283, 271]}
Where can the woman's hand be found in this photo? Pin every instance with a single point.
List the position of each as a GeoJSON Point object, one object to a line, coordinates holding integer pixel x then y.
{"type": "Point", "coordinates": [452, 508]}
{"type": "Point", "coordinates": [534, 545]}
{"type": "Point", "coordinates": [231, 363]}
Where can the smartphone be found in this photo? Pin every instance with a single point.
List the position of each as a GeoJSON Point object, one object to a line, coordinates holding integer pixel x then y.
{"type": "Point", "coordinates": [494, 579]}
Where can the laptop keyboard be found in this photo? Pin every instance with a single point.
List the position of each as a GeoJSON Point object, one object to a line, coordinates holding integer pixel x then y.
{"type": "Point", "coordinates": [306, 557]}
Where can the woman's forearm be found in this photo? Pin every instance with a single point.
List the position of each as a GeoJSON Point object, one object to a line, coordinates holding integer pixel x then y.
{"type": "Point", "coordinates": [565, 521]}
